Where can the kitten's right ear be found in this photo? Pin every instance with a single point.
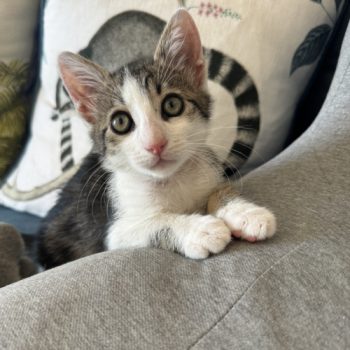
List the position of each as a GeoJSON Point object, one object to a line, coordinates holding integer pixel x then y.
{"type": "Point", "coordinates": [180, 47]}
{"type": "Point", "coordinates": [83, 80]}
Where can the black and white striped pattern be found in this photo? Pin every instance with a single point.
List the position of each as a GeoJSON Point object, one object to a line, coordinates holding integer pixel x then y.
{"type": "Point", "coordinates": [66, 144]}
{"type": "Point", "coordinates": [236, 80]}
{"type": "Point", "coordinates": [63, 104]}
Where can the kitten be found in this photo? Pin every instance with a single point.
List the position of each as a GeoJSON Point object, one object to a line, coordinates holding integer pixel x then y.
{"type": "Point", "coordinates": [150, 180]}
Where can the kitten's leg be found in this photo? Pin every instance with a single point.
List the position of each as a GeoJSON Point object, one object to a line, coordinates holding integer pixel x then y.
{"type": "Point", "coordinates": [246, 220]}
{"type": "Point", "coordinates": [195, 236]}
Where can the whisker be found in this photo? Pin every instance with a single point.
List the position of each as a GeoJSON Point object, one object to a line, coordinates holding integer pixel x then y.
{"type": "Point", "coordinates": [222, 127]}
{"type": "Point", "coordinates": [87, 181]}
{"type": "Point", "coordinates": [91, 190]}
{"type": "Point", "coordinates": [200, 153]}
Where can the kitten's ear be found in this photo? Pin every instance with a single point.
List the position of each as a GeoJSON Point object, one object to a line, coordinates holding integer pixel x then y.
{"type": "Point", "coordinates": [84, 80]}
{"type": "Point", "coordinates": [180, 46]}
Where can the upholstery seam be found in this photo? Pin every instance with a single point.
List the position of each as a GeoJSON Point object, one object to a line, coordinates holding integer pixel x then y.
{"type": "Point", "coordinates": [261, 276]}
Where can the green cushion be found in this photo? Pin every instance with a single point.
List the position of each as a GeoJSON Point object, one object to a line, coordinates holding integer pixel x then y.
{"type": "Point", "coordinates": [14, 106]}
{"type": "Point", "coordinates": [18, 21]}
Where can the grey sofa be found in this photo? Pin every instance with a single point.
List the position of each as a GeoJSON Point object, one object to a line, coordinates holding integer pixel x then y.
{"type": "Point", "coordinates": [292, 292]}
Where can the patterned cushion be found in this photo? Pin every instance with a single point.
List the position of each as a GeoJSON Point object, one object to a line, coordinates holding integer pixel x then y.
{"type": "Point", "coordinates": [261, 55]}
{"type": "Point", "coordinates": [18, 20]}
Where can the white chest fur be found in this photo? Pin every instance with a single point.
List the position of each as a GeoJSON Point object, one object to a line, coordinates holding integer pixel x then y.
{"type": "Point", "coordinates": [185, 192]}
{"type": "Point", "coordinates": [138, 200]}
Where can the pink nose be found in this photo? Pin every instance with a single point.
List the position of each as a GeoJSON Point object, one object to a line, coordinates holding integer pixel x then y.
{"type": "Point", "coordinates": [157, 148]}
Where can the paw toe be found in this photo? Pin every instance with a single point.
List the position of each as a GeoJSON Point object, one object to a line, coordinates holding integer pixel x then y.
{"type": "Point", "coordinates": [252, 224]}
{"type": "Point", "coordinates": [211, 235]}
{"type": "Point", "coordinates": [196, 251]}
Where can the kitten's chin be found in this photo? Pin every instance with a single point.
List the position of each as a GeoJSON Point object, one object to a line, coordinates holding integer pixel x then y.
{"type": "Point", "coordinates": [162, 170]}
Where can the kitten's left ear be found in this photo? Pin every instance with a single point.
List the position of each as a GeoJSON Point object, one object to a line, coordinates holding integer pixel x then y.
{"type": "Point", "coordinates": [84, 81]}
{"type": "Point", "coordinates": [180, 46]}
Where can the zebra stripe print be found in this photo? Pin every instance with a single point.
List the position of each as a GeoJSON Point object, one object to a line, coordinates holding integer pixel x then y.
{"type": "Point", "coordinates": [66, 144]}
{"type": "Point", "coordinates": [63, 104]}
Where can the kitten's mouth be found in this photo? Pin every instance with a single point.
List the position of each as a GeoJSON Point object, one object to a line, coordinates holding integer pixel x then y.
{"type": "Point", "coordinates": [161, 163]}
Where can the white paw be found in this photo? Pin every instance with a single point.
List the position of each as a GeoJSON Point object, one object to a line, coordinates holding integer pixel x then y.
{"type": "Point", "coordinates": [248, 221]}
{"type": "Point", "coordinates": [207, 234]}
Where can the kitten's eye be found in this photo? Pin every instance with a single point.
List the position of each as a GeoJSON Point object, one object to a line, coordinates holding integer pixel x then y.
{"type": "Point", "coordinates": [172, 106]}
{"type": "Point", "coordinates": [121, 122]}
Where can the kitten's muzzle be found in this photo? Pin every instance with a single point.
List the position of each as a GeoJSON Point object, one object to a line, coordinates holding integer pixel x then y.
{"type": "Point", "coordinates": [157, 148]}
{"type": "Point", "coordinates": [161, 163]}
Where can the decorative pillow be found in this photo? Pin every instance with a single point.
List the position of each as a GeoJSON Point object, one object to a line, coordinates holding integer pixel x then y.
{"type": "Point", "coordinates": [18, 19]}
{"type": "Point", "coordinates": [260, 56]}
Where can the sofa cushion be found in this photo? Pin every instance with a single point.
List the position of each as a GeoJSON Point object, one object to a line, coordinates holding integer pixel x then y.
{"type": "Point", "coordinates": [259, 62]}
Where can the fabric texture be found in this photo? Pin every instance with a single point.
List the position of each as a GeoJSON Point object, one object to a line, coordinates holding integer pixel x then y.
{"type": "Point", "coordinates": [18, 20]}
{"type": "Point", "coordinates": [315, 94]}
{"type": "Point", "coordinates": [291, 292]}
{"type": "Point", "coordinates": [25, 223]}
{"type": "Point", "coordinates": [14, 264]}
{"type": "Point", "coordinates": [256, 77]}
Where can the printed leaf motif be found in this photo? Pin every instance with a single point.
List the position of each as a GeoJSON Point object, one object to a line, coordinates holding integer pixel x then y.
{"type": "Point", "coordinates": [14, 106]}
{"type": "Point", "coordinates": [312, 46]}
{"type": "Point", "coordinates": [13, 78]}
{"type": "Point", "coordinates": [14, 73]}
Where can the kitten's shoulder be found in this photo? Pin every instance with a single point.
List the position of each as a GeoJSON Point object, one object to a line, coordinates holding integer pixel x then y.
{"type": "Point", "coordinates": [82, 204]}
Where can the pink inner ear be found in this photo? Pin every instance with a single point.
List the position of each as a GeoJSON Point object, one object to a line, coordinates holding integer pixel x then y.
{"type": "Point", "coordinates": [72, 73]}
{"type": "Point", "coordinates": [191, 46]}
{"type": "Point", "coordinates": [180, 46]}
{"type": "Point", "coordinates": [79, 95]}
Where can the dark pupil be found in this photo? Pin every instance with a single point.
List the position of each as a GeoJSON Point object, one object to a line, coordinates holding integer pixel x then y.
{"type": "Point", "coordinates": [173, 104]}
{"type": "Point", "coordinates": [121, 123]}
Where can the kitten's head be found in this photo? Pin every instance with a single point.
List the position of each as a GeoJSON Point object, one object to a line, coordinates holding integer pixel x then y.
{"type": "Point", "coordinates": [152, 117]}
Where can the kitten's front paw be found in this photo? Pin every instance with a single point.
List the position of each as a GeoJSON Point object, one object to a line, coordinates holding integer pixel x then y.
{"type": "Point", "coordinates": [207, 234]}
{"type": "Point", "coordinates": [248, 221]}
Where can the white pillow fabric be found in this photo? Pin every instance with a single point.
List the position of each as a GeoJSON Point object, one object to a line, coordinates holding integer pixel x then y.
{"type": "Point", "coordinates": [261, 55]}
